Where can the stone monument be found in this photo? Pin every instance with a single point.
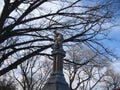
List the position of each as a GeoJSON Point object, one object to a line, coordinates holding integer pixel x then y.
{"type": "Point", "coordinates": [57, 79]}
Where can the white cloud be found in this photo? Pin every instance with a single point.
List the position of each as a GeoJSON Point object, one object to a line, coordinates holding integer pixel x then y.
{"type": "Point", "coordinates": [116, 66]}
{"type": "Point", "coordinates": [1, 5]}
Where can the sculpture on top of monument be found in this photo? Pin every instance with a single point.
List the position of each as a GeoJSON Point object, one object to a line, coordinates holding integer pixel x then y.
{"type": "Point", "coordinates": [58, 40]}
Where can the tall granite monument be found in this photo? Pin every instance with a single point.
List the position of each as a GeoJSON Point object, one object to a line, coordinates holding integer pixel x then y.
{"type": "Point", "coordinates": [57, 80]}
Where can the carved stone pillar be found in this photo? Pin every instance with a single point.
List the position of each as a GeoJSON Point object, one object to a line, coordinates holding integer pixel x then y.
{"type": "Point", "coordinates": [57, 80]}
{"type": "Point", "coordinates": [58, 56]}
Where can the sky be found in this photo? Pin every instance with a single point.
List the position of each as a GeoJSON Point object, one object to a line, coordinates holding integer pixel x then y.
{"type": "Point", "coordinates": [114, 34]}
{"type": "Point", "coordinates": [113, 44]}
{"type": "Point", "coordinates": [1, 6]}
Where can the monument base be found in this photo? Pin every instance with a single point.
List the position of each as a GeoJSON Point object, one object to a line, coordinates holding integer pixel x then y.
{"type": "Point", "coordinates": [56, 82]}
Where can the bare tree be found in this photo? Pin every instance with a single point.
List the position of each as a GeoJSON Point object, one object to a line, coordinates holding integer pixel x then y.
{"type": "Point", "coordinates": [26, 27]}
{"type": "Point", "coordinates": [112, 80]}
{"type": "Point", "coordinates": [34, 74]}
{"type": "Point", "coordinates": [7, 83]}
{"type": "Point", "coordinates": [85, 71]}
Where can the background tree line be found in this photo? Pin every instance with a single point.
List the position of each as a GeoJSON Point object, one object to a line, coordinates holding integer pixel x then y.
{"type": "Point", "coordinates": [93, 72]}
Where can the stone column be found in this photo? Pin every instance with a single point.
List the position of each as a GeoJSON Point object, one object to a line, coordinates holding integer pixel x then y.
{"type": "Point", "coordinates": [58, 56]}
{"type": "Point", "coordinates": [57, 80]}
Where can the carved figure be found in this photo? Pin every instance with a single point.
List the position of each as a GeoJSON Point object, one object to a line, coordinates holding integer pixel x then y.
{"type": "Point", "coordinates": [58, 40]}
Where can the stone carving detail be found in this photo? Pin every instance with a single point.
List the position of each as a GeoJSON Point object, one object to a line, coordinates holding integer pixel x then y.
{"type": "Point", "coordinates": [58, 40]}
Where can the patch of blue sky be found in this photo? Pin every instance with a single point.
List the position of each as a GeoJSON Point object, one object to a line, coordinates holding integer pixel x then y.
{"type": "Point", "coordinates": [113, 41]}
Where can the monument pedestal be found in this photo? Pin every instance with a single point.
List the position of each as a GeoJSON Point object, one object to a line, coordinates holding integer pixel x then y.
{"type": "Point", "coordinates": [57, 80]}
